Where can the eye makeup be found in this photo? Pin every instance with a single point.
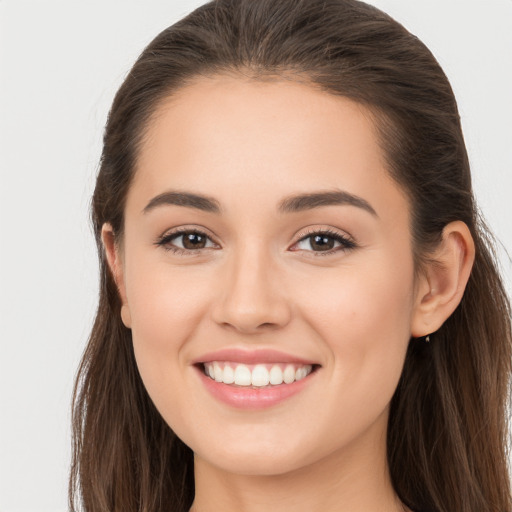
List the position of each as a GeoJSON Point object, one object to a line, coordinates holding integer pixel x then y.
{"type": "Point", "coordinates": [325, 240]}
{"type": "Point", "coordinates": [191, 241]}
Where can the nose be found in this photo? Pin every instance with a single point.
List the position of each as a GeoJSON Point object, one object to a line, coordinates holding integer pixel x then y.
{"type": "Point", "coordinates": [251, 296]}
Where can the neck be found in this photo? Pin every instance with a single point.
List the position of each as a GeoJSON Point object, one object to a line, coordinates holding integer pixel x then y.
{"type": "Point", "coordinates": [354, 479]}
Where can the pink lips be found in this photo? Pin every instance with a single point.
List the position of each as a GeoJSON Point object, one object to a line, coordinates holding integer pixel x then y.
{"type": "Point", "coordinates": [242, 397]}
{"type": "Point", "coordinates": [251, 357]}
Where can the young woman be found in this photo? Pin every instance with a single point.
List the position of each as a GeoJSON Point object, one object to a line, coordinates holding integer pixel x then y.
{"type": "Point", "coordinates": [299, 306]}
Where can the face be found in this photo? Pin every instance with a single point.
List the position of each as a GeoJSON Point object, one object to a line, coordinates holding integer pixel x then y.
{"type": "Point", "coordinates": [264, 240]}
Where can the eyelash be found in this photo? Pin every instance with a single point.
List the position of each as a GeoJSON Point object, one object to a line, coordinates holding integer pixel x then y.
{"type": "Point", "coordinates": [345, 242]}
{"type": "Point", "coordinates": [165, 241]}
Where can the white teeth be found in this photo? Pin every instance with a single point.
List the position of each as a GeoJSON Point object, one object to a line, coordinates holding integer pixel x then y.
{"type": "Point", "coordinates": [242, 375]}
{"type": "Point", "coordinates": [259, 375]}
{"type": "Point", "coordinates": [276, 375]}
{"type": "Point", "coordinates": [300, 373]}
{"type": "Point", "coordinates": [289, 374]}
{"type": "Point", "coordinates": [217, 372]}
{"type": "Point", "coordinates": [229, 375]}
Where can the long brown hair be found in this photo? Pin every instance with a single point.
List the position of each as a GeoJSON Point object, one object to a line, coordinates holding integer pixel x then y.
{"type": "Point", "coordinates": [448, 432]}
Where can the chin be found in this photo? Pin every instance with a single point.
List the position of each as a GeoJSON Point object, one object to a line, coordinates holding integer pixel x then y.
{"type": "Point", "coordinates": [262, 464]}
{"type": "Point", "coordinates": [266, 457]}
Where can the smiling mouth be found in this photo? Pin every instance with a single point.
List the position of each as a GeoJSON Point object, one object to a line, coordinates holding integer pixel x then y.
{"type": "Point", "coordinates": [256, 375]}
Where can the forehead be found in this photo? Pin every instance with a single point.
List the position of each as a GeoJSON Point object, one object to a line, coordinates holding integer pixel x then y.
{"type": "Point", "coordinates": [259, 141]}
{"type": "Point", "coordinates": [252, 116]}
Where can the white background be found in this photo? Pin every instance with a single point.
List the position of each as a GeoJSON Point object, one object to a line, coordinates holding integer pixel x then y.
{"type": "Point", "coordinates": [60, 64]}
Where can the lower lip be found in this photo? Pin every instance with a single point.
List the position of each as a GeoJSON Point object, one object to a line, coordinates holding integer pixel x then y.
{"type": "Point", "coordinates": [253, 398]}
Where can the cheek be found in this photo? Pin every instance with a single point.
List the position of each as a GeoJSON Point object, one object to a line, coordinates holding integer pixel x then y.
{"type": "Point", "coordinates": [364, 319]}
{"type": "Point", "coordinates": [369, 297]}
{"type": "Point", "coordinates": [164, 299]}
{"type": "Point", "coordinates": [166, 306]}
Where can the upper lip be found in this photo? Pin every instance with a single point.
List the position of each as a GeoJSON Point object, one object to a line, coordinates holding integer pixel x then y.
{"type": "Point", "coordinates": [237, 355]}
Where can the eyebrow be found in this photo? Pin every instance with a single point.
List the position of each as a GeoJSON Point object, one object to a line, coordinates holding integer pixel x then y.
{"type": "Point", "coordinates": [312, 200]}
{"type": "Point", "coordinates": [292, 204]}
{"type": "Point", "coordinates": [204, 203]}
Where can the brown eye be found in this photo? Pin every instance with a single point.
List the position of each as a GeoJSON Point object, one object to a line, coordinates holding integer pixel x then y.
{"type": "Point", "coordinates": [193, 241]}
{"type": "Point", "coordinates": [322, 242]}
{"type": "Point", "coordinates": [184, 241]}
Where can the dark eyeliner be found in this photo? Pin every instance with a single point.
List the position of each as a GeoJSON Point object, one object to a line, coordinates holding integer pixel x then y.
{"type": "Point", "coordinates": [165, 240]}
{"type": "Point", "coordinates": [346, 243]}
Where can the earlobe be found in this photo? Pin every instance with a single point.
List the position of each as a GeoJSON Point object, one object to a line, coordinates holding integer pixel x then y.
{"type": "Point", "coordinates": [114, 261]}
{"type": "Point", "coordinates": [125, 316]}
{"type": "Point", "coordinates": [442, 285]}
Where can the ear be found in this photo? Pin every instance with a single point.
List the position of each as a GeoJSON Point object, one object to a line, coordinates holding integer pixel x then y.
{"type": "Point", "coordinates": [115, 263]}
{"type": "Point", "coordinates": [441, 286]}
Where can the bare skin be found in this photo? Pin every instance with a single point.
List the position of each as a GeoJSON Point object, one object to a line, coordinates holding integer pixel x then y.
{"type": "Point", "coordinates": [258, 280]}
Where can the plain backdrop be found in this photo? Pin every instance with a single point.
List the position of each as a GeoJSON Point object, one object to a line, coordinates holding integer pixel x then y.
{"type": "Point", "coordinates": [60, 65]}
